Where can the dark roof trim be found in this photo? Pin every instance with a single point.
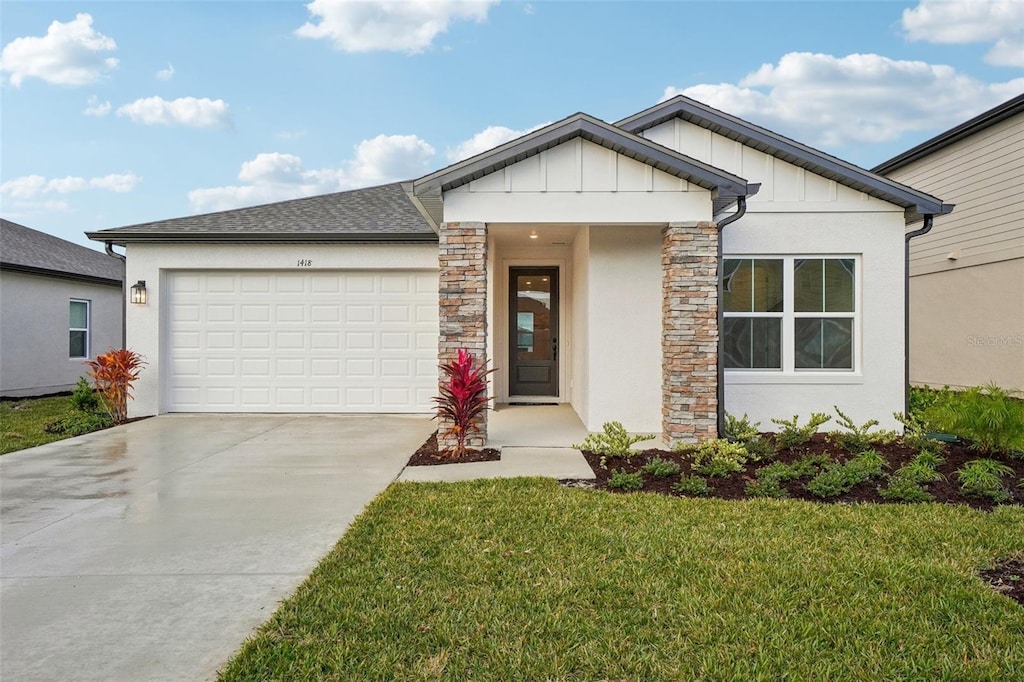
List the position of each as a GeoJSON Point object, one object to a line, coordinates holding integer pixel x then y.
{"type": "Point", "coordinates": [791, 151]}
{"type": "Point", "coordinates": [59, 274]}
{"type": "Point", "coordinates": [977, 124]}
{"type": "Point", "coordinates": [593, 130]}
{"type": "Point", "coordinates": [123, 238]}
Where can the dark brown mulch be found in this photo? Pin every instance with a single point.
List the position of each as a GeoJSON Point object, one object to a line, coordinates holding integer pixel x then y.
{"type": "Point", "coordinates": [733, 487]}
{"type": "Point", "coordinates": [1007, 577]}
{"type": "Point", "coordinates": [428, 455]}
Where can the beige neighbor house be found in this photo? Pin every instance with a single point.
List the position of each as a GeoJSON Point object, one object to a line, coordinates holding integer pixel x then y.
{"type": "Point", "coordinates": [967, 274]}
{"type": "Point", "coordinates": [656, 271]}
{"type": "Point", "coordinates": [60, 304]}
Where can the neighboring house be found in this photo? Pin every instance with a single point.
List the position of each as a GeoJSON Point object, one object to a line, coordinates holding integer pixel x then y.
{"type": "Point", "coordinates": [60, 304]}
{"type": "Point", "coordinates": [967, 274]}
{"type": "Point", "coordinates": [581, 260]}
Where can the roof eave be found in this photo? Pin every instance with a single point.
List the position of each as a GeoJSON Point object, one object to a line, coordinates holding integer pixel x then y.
{"type": "Point", "coordinates": [60, 274]}
{"type": "Point", "coordinates": [125, 238]}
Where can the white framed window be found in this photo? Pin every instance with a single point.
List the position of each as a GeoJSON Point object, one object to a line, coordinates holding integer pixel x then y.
{"type": "Point", "coordinates": [78, 324]}
{"type": "Point", "coordinates": [796, 314]}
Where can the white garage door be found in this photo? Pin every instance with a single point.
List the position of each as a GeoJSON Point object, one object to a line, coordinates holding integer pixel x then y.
{"type": "Point", "coordinates": [328, 341]}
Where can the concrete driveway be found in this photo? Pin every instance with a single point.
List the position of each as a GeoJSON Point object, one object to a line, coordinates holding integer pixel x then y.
{"type": "Point", "coordinates": [150, 551]}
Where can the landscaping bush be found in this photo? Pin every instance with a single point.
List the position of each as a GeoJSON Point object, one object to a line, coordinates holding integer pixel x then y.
{"type": "Point", "coordinates": [766, 487]}
{"type": "Point", "coordinates": [84, 399]}
{"type": "Point", "coordinates": [625, 481]}
{"type": "Point", "coordinates": [905, 488]}
{"type": "Point", "coordinates": [741, 429]}
{"type": "Point", "coordinates": [984, 478]}
{"type": "Point", "coordinates": [463, 398]}
{"type": "Point", "coordinates": [793, 434]}
{"type": "Point", "coordinates": [661, 468]}
{"type": "Point", "coordinates": [80, 423]}
{"type": "Point", "coordinates": [692, 485]}
{"type": "Point", "coordinates": [858, 438]}
{"type": "Point", "coordinates": [719, 457]}
{"type": "Point", "coordinates": [990, 417]}
{"type": "Point", "coordinates": [614, 442]}
{"type": "Point", "coordinates": [915, 436]}
{"type": "Point", "coordinates": [837, 479]}
{"type": "Point", "coordinates": [114, 373]}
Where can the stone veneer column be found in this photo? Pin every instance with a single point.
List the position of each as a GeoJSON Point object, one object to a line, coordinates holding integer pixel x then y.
{"type": "Point", "coordinates": [462, 294]}
{"type": "Point", "coordinates": [689, 338]}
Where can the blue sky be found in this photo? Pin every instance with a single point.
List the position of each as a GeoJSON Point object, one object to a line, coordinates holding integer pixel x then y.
{"type": "Point", "coordinates": [115, 113]}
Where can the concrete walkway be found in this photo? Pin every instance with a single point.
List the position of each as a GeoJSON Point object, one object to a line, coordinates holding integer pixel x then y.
{"type": "Point", "coordinates": [150, 551]}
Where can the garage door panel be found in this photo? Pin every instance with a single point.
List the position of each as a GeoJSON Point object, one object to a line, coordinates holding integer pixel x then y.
{"type": "Point", "coordinates": [309, 342]}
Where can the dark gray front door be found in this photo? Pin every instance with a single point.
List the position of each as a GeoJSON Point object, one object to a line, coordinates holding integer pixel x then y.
{"type": "Point", "coordinates": [533, 331]}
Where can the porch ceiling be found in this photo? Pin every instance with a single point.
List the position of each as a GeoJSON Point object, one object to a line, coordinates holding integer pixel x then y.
{"type": "Point", "coordinates": [519, 235]}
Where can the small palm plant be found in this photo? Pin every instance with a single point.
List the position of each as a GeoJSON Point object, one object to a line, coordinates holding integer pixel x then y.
{"type": "Point", "coordinates": [463, 398]}
{"type": "Point", "coordinates": [113, 374]}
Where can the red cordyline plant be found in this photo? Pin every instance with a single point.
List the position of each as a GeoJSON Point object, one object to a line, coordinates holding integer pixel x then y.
{"type": "Point", "coordinates": [463, 398]}
{"type": "Point", "coordinates": [113, 374]}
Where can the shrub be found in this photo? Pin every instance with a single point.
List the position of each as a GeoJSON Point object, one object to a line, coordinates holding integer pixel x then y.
{"type": "Point", "coordinates": [625, 481]}
{"type": "Point", "coordinates": [858, 438]}
{"type": "Point", "coordinates": [114, 373]}
{"type": "Point", "coordinates": [793, 434]}
{"type": "Point", "coordinates": [915, 436]}
{"type": "Point", "coordinates": [989, 416]}
{"type": "Point", "coordinates": [463, 398]}
{"type": "Point", "coordinates": [767, 487]}
{"type": "Point", "coordinates": [719, 457]}
{"type": "Point", "coordinates": [759, 448]}
{"type": "Point", "coordinates": [614, 442]}
{"type": "Point", "coordinates": [740, 428]}
{"type": "Point", "coordinates": [80, 423]}
{"type": "Point", "coordinates": [922, 398]}
{"type": "Point", "coordinates": [84, 399]}
{"type": "Point", "coordinates": [809, 465]}
{"type": "Point", "coordinates": [661, 468]}
{"type": "Point", "coordinates": [903, 488]}
{"type": "Point", "coordinates": [777, 471]}
{"type": "Point", "coordinates": [984, 478]}
{"type": "Point", "coordinates": [718, 467]}
{"type": "Point", "coordinates": [869, 462]}
{"type": "Point", "coordinates": [837, 479]}
{"type": "Point", "coordinates": [692, 485]}
{"type": "Point", "coordinates": [919, 473]}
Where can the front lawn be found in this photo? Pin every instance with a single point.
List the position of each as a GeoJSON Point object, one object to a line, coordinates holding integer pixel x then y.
{"type": "Point", "coordinates": [526, 580]}
{"type": "Point", "coordinates": [23, 422]}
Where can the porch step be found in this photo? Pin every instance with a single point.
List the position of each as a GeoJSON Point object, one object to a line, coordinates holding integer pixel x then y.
{"type": "Point", "coordinates": [559, 463]}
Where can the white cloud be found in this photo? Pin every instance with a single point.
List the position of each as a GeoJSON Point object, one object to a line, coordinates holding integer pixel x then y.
{"type": "Point", "coordinates": [166, 74]}
{"type": "Point", "coordinates": [274, 176]}
{"type": "Point", "coordinates": [388, 25]}
{"type": "Point", "coordinates": [486, 139]}
{"type": "Point", "coordinates": [69, 54]}
{"type": "Point", "coordinates": [184, 111]}
{"type": "Point", "coordinates": [971, 21]}
{"type": "Point", "coordinates": [95, 108]}
{"type": "Point", "coordinates": [835, 101]}
{"type": "Point", "coordinates": [29, 187]}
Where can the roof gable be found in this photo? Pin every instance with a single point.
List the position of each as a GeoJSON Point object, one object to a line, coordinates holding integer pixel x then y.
{"type": "Point", "coordinates": [844, 173]}
{"type": "Point", "coordinates": [726, 186]}
{"type": "Point", "coordinates": [27, 250]}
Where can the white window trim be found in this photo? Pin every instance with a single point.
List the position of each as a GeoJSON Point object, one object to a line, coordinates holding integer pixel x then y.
{"type": "Point", "coordinates": [789, 374]}
{"type": "Point", "coordinates": [88, 324]}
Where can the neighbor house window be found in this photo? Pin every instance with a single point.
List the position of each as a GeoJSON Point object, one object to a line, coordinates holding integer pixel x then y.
{"type": "Point", "coordinates": [78, 346]}
{"type": "Point", "coordinates": [789, 313]}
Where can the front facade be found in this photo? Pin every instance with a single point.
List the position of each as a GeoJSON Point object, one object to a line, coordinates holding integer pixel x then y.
{"type": "Point", "coordinates": [967, 274]}
{"type": "Point", "coordinates": [60, 305]}
{"type": "Point", "coordinates": [642, 272]}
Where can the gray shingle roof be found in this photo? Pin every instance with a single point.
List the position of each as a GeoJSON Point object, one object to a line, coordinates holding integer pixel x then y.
{"type": "Point", "coordinates": [28, 250]}
{"type": "Point", "coordinates": [382, 213]}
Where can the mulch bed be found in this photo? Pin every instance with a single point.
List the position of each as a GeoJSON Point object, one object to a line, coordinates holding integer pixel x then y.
{"type": "Point", "coordinates": [1007, 577]}
{"type": "Point", "coordinates": [428, 455]}
{"type": "Point", "coordinates": [733, 487]}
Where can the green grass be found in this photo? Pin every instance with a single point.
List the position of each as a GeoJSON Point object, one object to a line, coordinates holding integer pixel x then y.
{"type": "Point", "coordinates": [526, 580]}
{"type": "Point", "coordinates": [22, 422]}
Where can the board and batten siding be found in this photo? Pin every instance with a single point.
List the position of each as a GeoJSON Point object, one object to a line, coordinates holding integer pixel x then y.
{"type": "Point", "coordinates": [967, 274]}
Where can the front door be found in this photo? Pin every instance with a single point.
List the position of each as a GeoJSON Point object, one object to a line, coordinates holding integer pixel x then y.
{"type": "Point", "coordinates": [533, 331]}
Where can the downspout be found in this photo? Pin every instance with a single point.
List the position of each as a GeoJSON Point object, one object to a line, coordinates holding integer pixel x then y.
{"type": "Point", "coordinates": [741, 208]}
{"type": "Point", "coordinates": [925, 229]}
{"type": "Point", "coordinates": [109, 248]}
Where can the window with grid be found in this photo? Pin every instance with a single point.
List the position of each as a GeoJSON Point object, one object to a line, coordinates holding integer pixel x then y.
{"type": "Point", "coordinates": [78, 346]}
{"type": "Point", "coordinates": [789, 314]}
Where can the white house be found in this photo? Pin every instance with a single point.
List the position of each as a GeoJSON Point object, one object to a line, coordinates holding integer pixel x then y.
{"type": "Point", "coordinates": [60, 304]}
{"type": "Point", "coordinates": [585, 260]}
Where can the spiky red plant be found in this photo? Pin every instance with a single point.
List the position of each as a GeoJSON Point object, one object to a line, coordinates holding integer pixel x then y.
{"type": "Point", "coordinates": [463, 398]}
{"type": "Point", "coordinates": [113, 374]}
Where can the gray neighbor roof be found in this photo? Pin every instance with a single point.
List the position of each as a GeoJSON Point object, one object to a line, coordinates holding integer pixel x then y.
{"type": "Point", "coordinates": [383, 213]}
{"type": "Point", "coordinates": [23, 249]}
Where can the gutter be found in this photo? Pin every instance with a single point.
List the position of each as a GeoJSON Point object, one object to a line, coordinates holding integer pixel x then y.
{"type": "Point", "coordinates": [923, 230]}
{"type": "Point", "coordinates": [741, 209]}
{"type": "Point", "coordinates": [109, 248]}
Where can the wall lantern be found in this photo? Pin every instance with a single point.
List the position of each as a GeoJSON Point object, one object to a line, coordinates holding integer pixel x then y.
{"type": "Point", "coordinates": [138, 294]}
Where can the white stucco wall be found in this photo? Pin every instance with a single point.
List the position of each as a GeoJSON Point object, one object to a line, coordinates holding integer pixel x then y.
{"type": "Point", "coordinates": [34, 331]}
{"type": "Point", "coordinates": [874, 390]}
{"type": "Point", "coordinates": [579, 382]}
{"type": "Point", "coordinates": [151, 262]}
{"type": "Point", "coordinates": [623, 318]}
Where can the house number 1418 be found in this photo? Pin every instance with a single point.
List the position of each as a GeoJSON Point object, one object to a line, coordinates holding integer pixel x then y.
{"type": "Point", "coordinates": [304, 263]}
